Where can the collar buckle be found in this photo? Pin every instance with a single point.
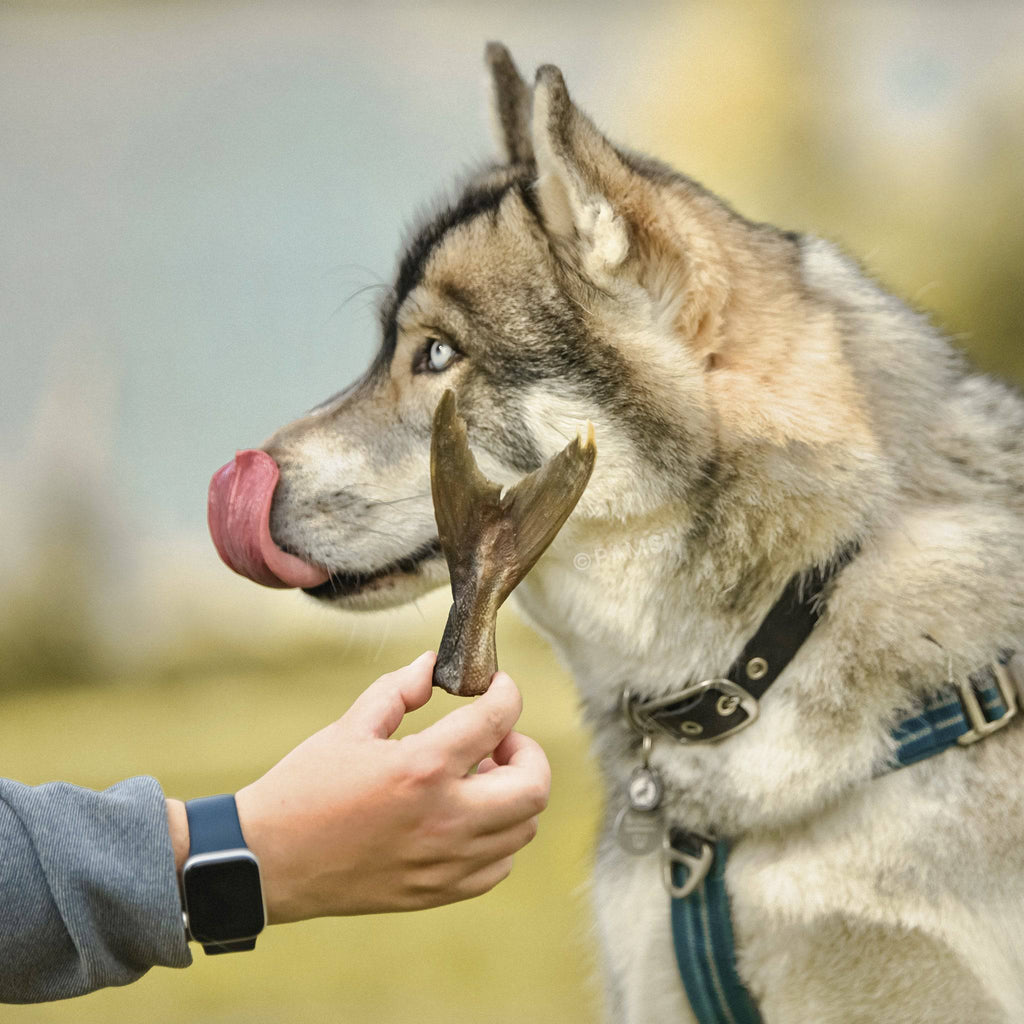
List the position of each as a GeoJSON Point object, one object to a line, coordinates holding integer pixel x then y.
{"type": "Point", "coordinates": [668, 714]}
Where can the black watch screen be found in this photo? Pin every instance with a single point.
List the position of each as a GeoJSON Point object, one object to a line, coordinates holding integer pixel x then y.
{"type": "Point", "coordinates": [224, 898]}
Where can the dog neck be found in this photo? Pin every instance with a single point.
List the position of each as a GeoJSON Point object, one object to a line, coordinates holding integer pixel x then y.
{"type": "Point", "coordinates": [675, 593]}
{"type": "Point", "coordinates": [659, 604]}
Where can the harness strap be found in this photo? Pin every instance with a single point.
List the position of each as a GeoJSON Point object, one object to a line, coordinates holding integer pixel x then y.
{"type": "Point", "coordinates": [947, 718]}
{"type": "Point", "coordinates": [706, 950]}
{"type": "Point", "coordinates": [701, 922]}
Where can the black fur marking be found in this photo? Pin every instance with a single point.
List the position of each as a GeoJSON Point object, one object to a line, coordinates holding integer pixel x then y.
{"type": "Point", "coordinates": [525, 190]}
{"type": "Point", "coordinates": [475, 201]}
{"type": "Point", "coordinates": [553, 342]}
{"type": "Point", "coordinates": [501, 431]}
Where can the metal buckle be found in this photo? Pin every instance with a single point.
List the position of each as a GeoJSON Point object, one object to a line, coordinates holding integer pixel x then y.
{"type": "Point", "coordinates": [698, 865]}
{"type": "Point", "coordinates": [639, 713]}
{"type": "Point", "coordinates": [980, 726]}
{"type": "Point", "coordinates": [1015, 669]}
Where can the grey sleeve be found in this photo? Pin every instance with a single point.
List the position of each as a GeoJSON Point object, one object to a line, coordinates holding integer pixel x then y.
{"type": "Point", "coordinates": [88, 890]}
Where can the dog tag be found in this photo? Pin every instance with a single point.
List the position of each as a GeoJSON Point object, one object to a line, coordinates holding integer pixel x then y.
{"type": "Point", "coordinates": [644, 789]}
{"type": "Point", "coordinates": [638, 832]}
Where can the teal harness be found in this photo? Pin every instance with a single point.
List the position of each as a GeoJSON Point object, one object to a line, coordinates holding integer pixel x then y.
{"type": "Point", "coordinates": [701, 922]}
{"type": "Point", "coordinates": [706, 950]}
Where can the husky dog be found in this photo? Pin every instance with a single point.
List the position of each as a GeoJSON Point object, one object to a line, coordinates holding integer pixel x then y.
{"type": "Point", "coordinates": [760, 406]}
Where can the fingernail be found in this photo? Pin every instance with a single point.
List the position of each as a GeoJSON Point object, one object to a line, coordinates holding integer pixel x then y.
{"type": "Point", "coordinates": [425, 654]}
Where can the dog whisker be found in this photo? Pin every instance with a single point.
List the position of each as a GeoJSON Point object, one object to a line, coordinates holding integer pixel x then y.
{"type": "Point", "coordinates": [397, 501]}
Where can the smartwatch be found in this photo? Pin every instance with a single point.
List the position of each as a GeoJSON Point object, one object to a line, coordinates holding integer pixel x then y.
{"type": "Point", "coordinates": [222, 898]}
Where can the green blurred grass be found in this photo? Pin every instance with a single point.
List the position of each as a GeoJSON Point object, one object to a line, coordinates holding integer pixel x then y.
{"type": "Point", "coordinates": [521, 953]}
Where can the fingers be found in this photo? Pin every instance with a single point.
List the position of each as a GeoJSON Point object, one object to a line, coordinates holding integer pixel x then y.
{"type": "Point", "coordinates": [486, 765]}
{"type": "Point", "coordinates": [505, 843]}
{"type": "Point", "coordinates": [497, 803]}
{"type": "Point", "coordinates": [516, 789]}
{"type": "Point", "coordinates": [475, 882]}
{"type": "Point", "coordinates": [472, 731]}
{"type": "Point", "coordinates": [521, 772]}
{"type": "Point", "coordinates": [485, 879]}
{"type": "Point", "coordinates": [519, 751]}
{"type": "Point", "coordinates": [380, 708]}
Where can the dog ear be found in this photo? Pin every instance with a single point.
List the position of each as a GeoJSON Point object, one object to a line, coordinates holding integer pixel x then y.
{"type": "Point", "coordinates": [510, 106]}
{"type": "Point", "coordinates": [579, 174]}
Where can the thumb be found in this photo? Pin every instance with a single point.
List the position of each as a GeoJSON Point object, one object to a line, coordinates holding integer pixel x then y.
{"type": "Point", "coordinates": [472, 731]}
{"type": "Point", "coordinates": [379, 709]}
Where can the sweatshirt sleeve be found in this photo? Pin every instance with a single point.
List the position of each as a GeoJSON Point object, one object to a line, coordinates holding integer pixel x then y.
{"type": "Point", "coordinates": [88, 889]}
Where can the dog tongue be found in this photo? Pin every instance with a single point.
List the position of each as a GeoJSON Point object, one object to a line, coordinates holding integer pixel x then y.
{"type": "Point", "coordinates": [239, 516]}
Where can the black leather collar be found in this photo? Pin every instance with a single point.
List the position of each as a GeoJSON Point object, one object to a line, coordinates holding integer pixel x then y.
{"type": "Point", "coordinates": [715, 708]}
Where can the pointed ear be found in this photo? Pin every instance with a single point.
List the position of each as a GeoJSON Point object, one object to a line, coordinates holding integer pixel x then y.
{"type": "Point", "coordinates": [510, 106]}
{"type": "Point", "coordinates": [580, 181]}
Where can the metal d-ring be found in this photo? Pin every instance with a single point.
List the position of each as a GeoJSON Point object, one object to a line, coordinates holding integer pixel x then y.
{"type": "Point", "coordinates": [697, 866]}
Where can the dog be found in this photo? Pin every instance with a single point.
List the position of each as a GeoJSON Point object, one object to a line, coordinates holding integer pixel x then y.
{"type": "Point", "coordinates": [764, 411]}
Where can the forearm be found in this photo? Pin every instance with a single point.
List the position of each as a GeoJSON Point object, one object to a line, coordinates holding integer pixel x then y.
{"type": "Point", "coordinates": [89, 889]}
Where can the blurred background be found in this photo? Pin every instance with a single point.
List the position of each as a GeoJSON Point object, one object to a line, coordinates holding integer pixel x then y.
{"type": "Point", "coordinates": [195, 198]}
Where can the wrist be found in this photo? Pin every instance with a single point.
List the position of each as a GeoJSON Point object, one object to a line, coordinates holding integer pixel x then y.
{"type": "Point", "coordinates": [177, 823]}
{"type": "Point", "coordinates": [260, 833]}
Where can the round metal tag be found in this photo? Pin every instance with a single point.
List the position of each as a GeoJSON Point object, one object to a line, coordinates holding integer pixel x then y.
{"type": "Point", "coordinates": [645, 789]}
{"type": "Point", "coordinates": [638, 832]}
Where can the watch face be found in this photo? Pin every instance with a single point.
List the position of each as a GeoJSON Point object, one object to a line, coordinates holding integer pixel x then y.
{"type": "Point", "coordinates": [224, 899]}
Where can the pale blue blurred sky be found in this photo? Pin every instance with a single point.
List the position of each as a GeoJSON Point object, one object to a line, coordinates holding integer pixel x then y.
{"type": "Point", "coordinates": [189, 192]}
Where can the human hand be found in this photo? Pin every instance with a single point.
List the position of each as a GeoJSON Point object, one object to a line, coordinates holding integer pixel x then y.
{"type": "Point", "coordinates": [352, 821]}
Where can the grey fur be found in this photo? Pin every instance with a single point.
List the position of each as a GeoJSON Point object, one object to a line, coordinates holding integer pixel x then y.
{"type": "Point", "coordinates": [759, 403]}
{"type": "Point", "coordinates": [511, 101]}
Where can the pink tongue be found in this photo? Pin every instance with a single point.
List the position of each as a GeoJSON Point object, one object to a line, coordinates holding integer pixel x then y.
{"type": "Point", "coordinates": [239, 516]}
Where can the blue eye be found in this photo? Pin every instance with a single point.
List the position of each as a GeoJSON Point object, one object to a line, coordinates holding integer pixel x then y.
{"type": "Point", "coordinates": [439, 355]}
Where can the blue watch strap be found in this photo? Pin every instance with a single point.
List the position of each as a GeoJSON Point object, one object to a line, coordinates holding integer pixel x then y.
{"type": "Point", "coordinates": [213, 824]}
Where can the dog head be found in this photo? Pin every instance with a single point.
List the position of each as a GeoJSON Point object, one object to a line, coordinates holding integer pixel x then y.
{"type": "Point", "coordinates": [570, 281]}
